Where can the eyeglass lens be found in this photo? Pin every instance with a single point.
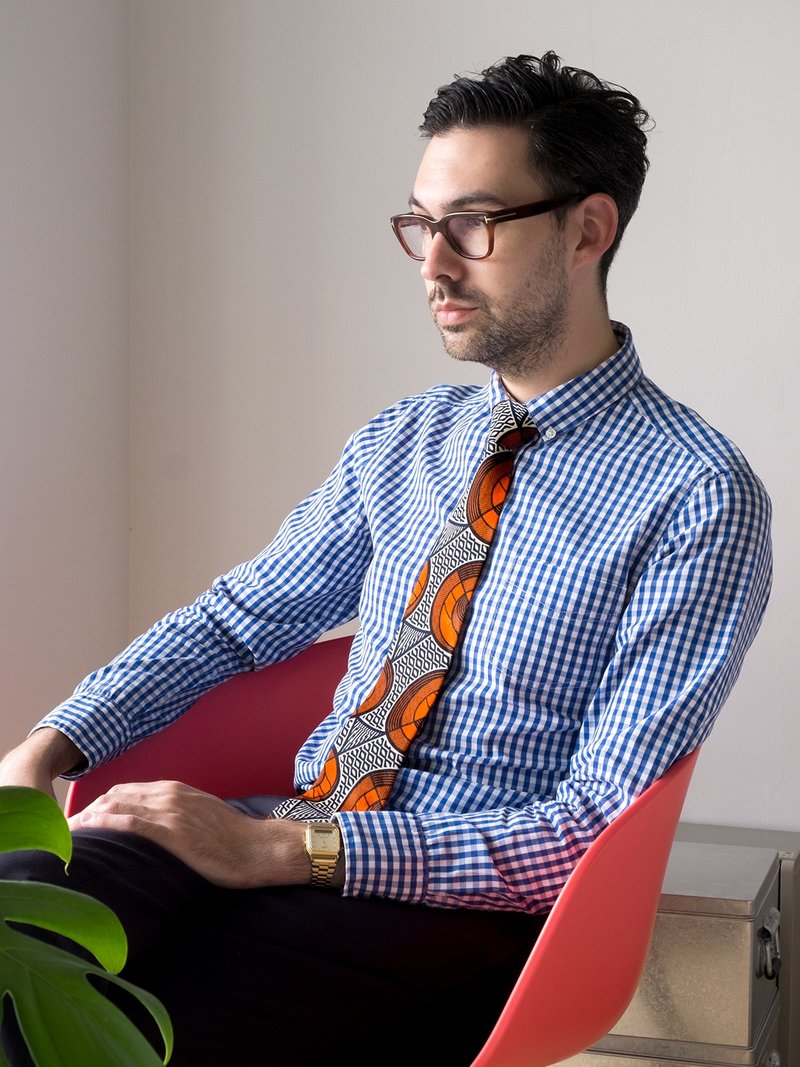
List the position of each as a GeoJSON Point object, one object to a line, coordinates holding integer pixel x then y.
{"type": "Point", "coordinates": [468, 233]}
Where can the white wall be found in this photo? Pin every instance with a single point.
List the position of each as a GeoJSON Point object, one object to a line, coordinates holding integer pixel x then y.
{"type": "Point", "coordinates": [63, 353]}
{"type": "Point", "coordinates": [269, 143]}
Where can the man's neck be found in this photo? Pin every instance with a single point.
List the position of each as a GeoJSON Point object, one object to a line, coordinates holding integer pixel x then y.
{"type": "Point", "coordinates": [585, 347]}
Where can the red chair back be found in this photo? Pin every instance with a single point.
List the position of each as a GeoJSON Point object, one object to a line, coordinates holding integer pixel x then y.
{"type": "Point", "coordinates": [239, 739]}
{"type": "Point", "coordinates": [585, 966]}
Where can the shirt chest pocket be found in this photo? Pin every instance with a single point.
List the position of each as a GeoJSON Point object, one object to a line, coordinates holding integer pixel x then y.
{"type": "Point", "coordinates": [564, 621]}
{"type": "Point", "coordinates": [575, 593]}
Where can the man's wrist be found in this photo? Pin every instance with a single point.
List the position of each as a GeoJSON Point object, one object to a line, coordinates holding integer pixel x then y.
{"type": "Point", "coordinates": [57, 751]}
{"type": "Point", "coordinates": [39, 759]}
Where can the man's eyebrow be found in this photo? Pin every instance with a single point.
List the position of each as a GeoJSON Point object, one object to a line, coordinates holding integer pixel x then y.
{"type": "Point", "coordinates": [476, 200]}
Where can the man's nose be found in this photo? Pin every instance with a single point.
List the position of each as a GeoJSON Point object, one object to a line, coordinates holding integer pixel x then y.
{"type": "Point", "coordinates": [441, 260]}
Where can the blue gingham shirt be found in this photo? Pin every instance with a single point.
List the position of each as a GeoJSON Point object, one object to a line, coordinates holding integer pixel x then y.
{"type": "Point", "coordinates": [628, 576]}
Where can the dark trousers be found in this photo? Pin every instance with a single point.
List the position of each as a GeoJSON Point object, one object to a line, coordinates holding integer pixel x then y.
{"type": "Point", "coordinates": [294, 975]}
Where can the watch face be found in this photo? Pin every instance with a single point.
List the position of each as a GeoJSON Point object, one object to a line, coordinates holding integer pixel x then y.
{"type": "Point", "coordinates": [323, 839]}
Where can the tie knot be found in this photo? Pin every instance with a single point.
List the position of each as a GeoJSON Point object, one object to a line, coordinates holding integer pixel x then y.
{"type": "Point", "coordinates": [511, 427]}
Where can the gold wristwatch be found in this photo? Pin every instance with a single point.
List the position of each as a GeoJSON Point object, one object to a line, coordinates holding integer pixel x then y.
{"type": "Point", "coordinates": [323, 845]}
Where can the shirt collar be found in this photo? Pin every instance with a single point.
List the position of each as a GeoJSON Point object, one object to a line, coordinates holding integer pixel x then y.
{"type": "Point", "coordinates": [577, 400]}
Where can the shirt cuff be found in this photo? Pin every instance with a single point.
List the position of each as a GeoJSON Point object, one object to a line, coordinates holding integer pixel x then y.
{"type": "Point", "coordinates": [385, 855]}
{"type": "Point", "coordinates": [95, 727]}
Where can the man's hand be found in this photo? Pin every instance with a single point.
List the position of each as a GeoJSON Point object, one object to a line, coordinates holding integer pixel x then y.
{"type": "Point", "coordinates": [43, 756]}
{"type": "Point", "coordinates": [220, 843]}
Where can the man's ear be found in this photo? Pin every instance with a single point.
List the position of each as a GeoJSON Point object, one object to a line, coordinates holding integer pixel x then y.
{"type": "Point", "coordinates": [596, 219]}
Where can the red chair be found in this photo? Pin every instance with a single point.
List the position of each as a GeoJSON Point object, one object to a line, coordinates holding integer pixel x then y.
{"type": "Point", "coordinates": [240, 739]}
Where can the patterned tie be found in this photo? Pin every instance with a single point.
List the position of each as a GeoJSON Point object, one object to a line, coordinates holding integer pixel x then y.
{"type": "Point", "coordinates": [366, 753]}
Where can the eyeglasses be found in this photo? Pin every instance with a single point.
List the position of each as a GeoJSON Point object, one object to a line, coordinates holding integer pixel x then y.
{"type": "Point", "coordinates": [469, 233]}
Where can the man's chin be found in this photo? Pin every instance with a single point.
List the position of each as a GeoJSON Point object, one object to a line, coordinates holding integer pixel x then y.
{"type": "Point", "coordinates": [459, 347]}
{"type": "Point", "coordinates": [456, 344]}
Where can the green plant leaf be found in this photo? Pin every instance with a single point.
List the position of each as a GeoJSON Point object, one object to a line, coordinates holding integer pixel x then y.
{"type": "Point", "coordinates": [64, 1018]}
{"type": "Point", "coordinates": [75, 915]}
{"type": "Point", "coordinates": [82, 1025]}
{"type": "Point", "coordinates": [32, 819]}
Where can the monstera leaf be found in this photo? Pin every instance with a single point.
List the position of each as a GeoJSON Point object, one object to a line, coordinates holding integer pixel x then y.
{"type": "Point", "coordinates": [64, 1017]}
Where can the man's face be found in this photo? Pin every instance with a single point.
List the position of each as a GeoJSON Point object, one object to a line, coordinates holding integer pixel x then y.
{"type": "Point", "coordinates": [508, 311]}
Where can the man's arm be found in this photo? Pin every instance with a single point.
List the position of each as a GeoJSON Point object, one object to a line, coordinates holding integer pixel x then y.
{"type": "Point", "coordinates": [305, 582]}
{"type": "Point", "coordinates": [677, 651]}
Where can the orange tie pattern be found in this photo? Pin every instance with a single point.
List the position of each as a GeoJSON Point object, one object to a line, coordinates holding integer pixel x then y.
{"type": "Point", "coordinates": [360, 769]}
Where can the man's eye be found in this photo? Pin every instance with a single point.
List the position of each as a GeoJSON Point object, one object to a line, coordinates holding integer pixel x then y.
{"type": "Point", "coordinates": [467, 225]}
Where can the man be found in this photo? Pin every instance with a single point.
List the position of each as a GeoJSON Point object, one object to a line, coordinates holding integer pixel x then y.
{"type": "Point", "coordinates": [589, 644]}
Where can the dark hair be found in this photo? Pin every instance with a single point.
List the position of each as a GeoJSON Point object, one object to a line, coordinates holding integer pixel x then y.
{"type": "Point", "coordinates": [586, 135]}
